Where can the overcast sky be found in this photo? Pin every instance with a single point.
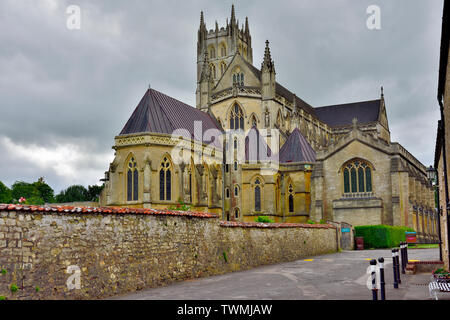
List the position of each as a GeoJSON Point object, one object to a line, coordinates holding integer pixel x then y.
{"type": "Point", "coordinates": [65, 94]}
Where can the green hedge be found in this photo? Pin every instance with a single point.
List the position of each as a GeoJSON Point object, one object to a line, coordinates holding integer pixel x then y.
{"type": "Point", "coordinates": [381, 236]}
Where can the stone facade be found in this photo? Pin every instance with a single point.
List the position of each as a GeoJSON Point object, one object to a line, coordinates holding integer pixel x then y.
{"type": "Point", "coordinates": [442, 158]}
{"type": "Point", "coordinates": [120, 251]}
{"type": "Point", "coordinates": [241, 98]}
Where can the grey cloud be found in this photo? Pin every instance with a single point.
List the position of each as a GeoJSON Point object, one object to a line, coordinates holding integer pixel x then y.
{"type": "Point", "coordinates": [59, 86]}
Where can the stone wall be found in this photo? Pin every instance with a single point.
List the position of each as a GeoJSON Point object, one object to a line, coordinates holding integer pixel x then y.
{"type": "Point", "coordinates": [124, 250]}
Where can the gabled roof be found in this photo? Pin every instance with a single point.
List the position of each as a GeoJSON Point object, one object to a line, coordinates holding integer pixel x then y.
{"type": "Point", "coordinates": [159, 113]}
{"type": "Point", "coordinates": [255, 145]}
{"type": "Point", "coordinates": [296, 149]}
{"type": "Point", "coordinates": [343, 114]}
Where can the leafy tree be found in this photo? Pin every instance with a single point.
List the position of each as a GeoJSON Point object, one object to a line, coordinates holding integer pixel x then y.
{"type": "Point", "coordinates": [24, 189]}
{"type": "Point", "coordinates": [45, 191]}
{"type": "Point", "coordinates": [5, 194]}
{"type": "Point", "coordinates": [73, 194]}
{"type": "Point", "coordinates": [94, 192]}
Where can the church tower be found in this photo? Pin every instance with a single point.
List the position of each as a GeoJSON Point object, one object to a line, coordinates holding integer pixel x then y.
{"type": "Point", "coordinates": [219, 46]}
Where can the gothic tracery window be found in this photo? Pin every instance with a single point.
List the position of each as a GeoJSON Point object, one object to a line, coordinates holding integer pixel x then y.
{"type": "Point", "coordinates": [165, 180]}
{"type": "Point", "coordinates": [257, 195]}
{"type": "Point", "coordinates": [238, 79]}
{"type": "Point", "coordinates": [236, 118]}
{"type": "Point", "coordinates": [132, 181]}
{"type": "Point", "coordinates": [291, 198]}
{"type": "Point", "coordinates": [357, 176]}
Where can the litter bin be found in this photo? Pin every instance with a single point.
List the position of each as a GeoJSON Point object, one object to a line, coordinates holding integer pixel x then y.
{"type": "Point", "coordinates": [359, 243]}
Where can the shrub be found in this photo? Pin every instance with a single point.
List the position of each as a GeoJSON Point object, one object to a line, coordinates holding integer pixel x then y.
{"type": "Point", "coordinates": [13, 288]}
{"type": "Point", "coordinates": [381, 236]}
{"type": "Point", "coordinates": [264, 219]}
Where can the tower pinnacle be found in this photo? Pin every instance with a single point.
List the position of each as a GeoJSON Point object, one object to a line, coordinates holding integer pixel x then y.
{"type": "Point", "coordinates": [267, 62]}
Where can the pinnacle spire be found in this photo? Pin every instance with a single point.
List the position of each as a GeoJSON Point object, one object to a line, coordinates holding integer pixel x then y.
{"type": "Point", "coordinates": [233, 15]}
{"type": "Point", "coordinates": [202, 19]}
{"type": "Point", "coordinates": [247, 29]}
{"type": "Point", "coordinates": [267, 62]}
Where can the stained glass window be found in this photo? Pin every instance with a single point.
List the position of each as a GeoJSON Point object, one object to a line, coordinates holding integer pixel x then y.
{"type": "Point", "coordinates": [132, 181]}
{"type": "Point", "coordinates": [165, 181]}
{"type": "Point", "coordinates": [257, 196]}
{"type": "Point", "coordinates": [357, 177]}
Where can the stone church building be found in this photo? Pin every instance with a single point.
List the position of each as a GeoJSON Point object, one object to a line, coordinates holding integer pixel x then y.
{"type": "Point", "coordinates": [253, 148]}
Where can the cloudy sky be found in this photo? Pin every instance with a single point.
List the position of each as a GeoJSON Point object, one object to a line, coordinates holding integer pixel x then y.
{"type": "Point", "coordinates": [65, 94]}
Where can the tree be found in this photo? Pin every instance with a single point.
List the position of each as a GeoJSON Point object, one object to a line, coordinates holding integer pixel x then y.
{"type": "Point", "coordinates": [73, 194]}
{"type": "Point", "coordinates": [5, 194]}
{"type": "Point", "coordinates": [94, 192]}
{"type": "Point", "coordinates": [28, 191]}
{"type": "Point", "coordinates": [45, 191]}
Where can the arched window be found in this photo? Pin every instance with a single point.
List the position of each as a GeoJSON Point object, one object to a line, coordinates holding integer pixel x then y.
{"type": "Point", "coordinates": [357, 176]}
{"type": "Point", "coordinates": [212, 53]}
{"type": "Point", "coordinates": [227, 193]}
{"type": "Point", "coordinates": [236, 191]}
{"type": "Point", "coordinates": [132, 181]}
{"type": "Point", "coordinates": [291, 198]}
{"type": "Point", "coordinates": [236, 118]}
{"type": "Point", "coordinates": [253, 121]}
{"type": "Point", "coordinates": [223, 50]}
{"type": "Point", "coordinates": [236, 213]}
{"type": "Point", "coordinates": [213, 70]}
{"type": "Point", "coordinates": [165, 180]}
{"type": "Point", "coordinates": [223, 67]}
{"type": "Point", "coordinates": [257, 195]}
{"type": "Point", "coordinates": [235, 165]}
{"type": "Point", "coordinates": [238, 79]}
{"type": "Point", "coordinates": [235, 143]}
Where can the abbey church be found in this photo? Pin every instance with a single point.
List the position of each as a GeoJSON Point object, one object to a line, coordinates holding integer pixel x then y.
{"type": "Point", "coordinates": [251, 147]}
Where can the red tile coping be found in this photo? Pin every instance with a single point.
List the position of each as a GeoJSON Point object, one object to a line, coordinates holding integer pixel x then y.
{"type": "Point", "coordinates": [102, 210]}
{"type": "Point", "coordinates": [235, 224]}
{"type": "Point", "coordinates": [425, 262]}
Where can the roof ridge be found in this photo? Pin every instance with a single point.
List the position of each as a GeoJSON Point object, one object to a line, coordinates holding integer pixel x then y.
{"type": "Point", "coordinates": [348, 103]}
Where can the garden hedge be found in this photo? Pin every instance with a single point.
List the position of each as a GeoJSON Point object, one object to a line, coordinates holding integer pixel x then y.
{"type": "Point", "coordinates": [382, 236]}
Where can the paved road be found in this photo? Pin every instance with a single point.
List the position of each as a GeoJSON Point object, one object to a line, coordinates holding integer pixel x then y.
{"type": "Point", "coordinates": [334, 276]}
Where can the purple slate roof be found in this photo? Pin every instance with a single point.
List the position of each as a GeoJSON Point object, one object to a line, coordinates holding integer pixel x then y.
{"type": "Point", "coordinates": [159, 113]}
{"type": "Point", "coordinates": [343, 115]}
{"type": "Point", "coordinates": [283, 91]}
{"type": "Point", "coordinates": [296, 149]}
{"type": "Point", "coordinates": [256, 148]}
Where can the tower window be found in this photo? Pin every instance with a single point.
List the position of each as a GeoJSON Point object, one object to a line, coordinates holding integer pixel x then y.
{"type": "Point", "coordinates": [236, 118]}
{"type": "Point", "coordinates": [132, 181]}
{"type": "Point", "coordinates": [227, 193]}
{"type": "Point", "coordinates": [238, 79]}
{"type": "Point", "coordinates": [236, 191]}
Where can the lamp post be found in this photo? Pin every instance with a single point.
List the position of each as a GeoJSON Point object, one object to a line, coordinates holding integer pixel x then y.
{"type": "Point", "coordinates": [432, 177]}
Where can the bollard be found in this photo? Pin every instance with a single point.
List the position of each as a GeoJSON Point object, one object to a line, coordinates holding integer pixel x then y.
{"type": "Point", "coordinates": [373, 269]}
{"type": "Point", "coordinates": [382, 284]}
{"type": "Point", "coordinates": [394, 267]}
{"type": "Point", "coordinates": [406, 253]}
{"type": "Point", "coordinates": [402, 251]}
{"type": "Point", "coordinates": [397, 259]}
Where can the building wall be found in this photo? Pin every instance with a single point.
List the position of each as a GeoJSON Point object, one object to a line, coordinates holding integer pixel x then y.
{"type": "Point", "coordinates": [119, 253]}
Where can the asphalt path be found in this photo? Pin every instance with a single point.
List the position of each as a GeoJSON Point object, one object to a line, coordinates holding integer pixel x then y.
{"type": "Point", "coordinates": [338, 276]}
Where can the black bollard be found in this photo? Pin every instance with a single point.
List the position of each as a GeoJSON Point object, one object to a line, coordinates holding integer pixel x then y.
{"type": "Point", "coordinates": [402, 246]}
{"type": "Point", "coordinates": [406, 253]}
{"type": "Point", "coordinates": [394, 267]}
{"type": "Point", "coordinates": [397, 259]}
{"type": "Point", "coordinates": [373, 270]}
{"type": "Point", "coordinates": [382, 284]}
